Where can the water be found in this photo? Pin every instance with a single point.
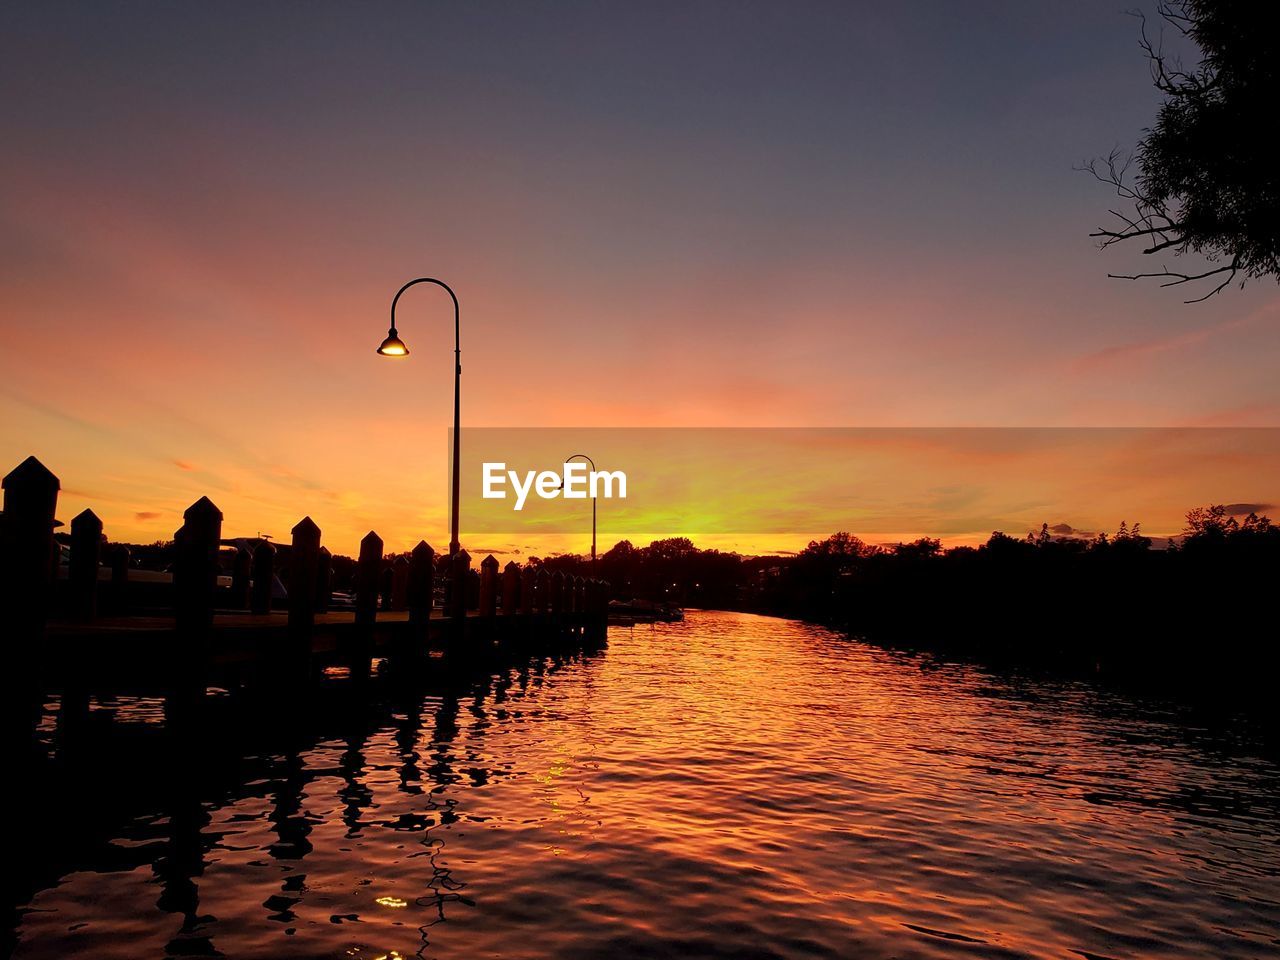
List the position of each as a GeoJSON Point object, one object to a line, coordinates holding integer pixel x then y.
{"type": "Point", "coordinates": [732, 786]}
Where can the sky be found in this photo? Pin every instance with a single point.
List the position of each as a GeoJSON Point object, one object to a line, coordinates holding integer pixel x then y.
{"type": "Point", "coordinates": [654, 215]}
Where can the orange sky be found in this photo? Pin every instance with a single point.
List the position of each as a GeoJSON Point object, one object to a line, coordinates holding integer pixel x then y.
{"type": "Point", "coordinates": [200, 237]}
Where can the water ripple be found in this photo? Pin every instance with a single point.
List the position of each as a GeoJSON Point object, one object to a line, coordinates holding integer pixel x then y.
{"type": "Point", "coordinates": [731, 786]}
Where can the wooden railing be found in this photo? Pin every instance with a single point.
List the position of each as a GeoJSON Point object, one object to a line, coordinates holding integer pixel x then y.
{"type": "Point", "coordinates": [95, 619]}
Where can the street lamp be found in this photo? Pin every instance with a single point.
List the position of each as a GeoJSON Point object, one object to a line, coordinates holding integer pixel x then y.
{"type": "Point", "coordinates": [593, 506]}
{"type": "Point", "coordinates": [393, 346]}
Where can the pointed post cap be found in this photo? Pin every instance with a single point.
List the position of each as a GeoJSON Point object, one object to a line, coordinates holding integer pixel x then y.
{"type": "Point", "coordinates": [265, 547]}
{"type": "Point", "coordinates": [401, 561]}
{"type": "Point", "coordinates": [202, 509]}
{"type": "Point", "coordinates": [490, 561]}
{"type": "Point", "coordinates": [462, 557]}
{"type": "Point", "coordinates": [371, 541]}
{"type": "Point", "coordinates": [326, 552]}
{"type": "Point", "coordinates": [31, 474]}
{"type": "Point", "coordinates": [511, 565]}
{"type": "Point", "coordinates": [306, 529]}
{"type": "Point", "coordinates": [85, 519]}
{"type": "Point", "coordinates": [423, 549]}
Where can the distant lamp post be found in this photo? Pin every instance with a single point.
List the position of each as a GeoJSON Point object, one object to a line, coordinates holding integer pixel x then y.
{"type": "Point", "coordinates": [393, 346]}
{"type": "Point", "coordinates": [593, 506]}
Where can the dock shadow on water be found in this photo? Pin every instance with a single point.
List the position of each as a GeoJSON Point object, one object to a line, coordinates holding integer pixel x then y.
{"type": "Point", "coordinates": [729, 786]}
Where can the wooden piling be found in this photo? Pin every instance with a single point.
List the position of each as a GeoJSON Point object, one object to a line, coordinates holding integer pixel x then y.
{"type": "Point", "coordinates": [195, 579]}
{"type": "Point", "coordinates": [510, 588]}
{"type": "Point", "coordinates": [528, 577]}
{"type": "Point", "coordinates": [421, 582]}
{"type": "Point", "coordinates": [119, 595]}
{"type": "Point", "coordinates": [30, 499]}
{"type": "Point", "coordinates": [460, 573]}
{"type": "Point", "coordinates": [324, 580]}
{"type": "Point", "coordinates": [384, 587]}
{"type": "Point", "coordinates": [368, 575]}
{"type": "Point", "coordinates": [368, 571]}
{"type": "Point", "coordinates": [400, 583]}
{"type": "Point", "coordinates": [26, 576]}
{"type": "Point", "coordinates": [195, 573]}
{"type": "Point", "coordinates": [241, 577]}
{"type": "Point", "coordinates": [557, 593]}
{"type": "Point", "coordinates": [86, 557]}
{"type": "Point", "coordinates": [489, 586]}
{"type": "Point", "coordinates": [304, 572]}
{"type": "Point", "coordinates": [541, 591]}
{"type": "Point", "coordinates": [264, 572]}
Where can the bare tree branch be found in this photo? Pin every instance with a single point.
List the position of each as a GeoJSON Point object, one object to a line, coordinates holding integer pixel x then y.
{"type": "Point", "coordinates": [1230, 270]}
{"type": "Point", "coordinates": [1202, 181]}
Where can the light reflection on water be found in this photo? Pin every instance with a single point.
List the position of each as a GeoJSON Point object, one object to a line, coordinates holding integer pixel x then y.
{"type": "Point", "coordinates": [731, 786]}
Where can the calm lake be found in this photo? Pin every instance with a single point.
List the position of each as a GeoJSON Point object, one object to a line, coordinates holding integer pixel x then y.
{"type": "Point", "coordinates": [729, 786]}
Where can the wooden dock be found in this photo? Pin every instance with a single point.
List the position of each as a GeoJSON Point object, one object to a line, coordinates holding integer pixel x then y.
{"type": "Point", "coordinates": [82, 633]}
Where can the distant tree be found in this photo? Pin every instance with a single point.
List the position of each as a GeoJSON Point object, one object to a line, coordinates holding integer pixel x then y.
{"type": "Point", "coordinates": [1127, 540]}
{"type": "Point", "coordinates": [919, 549]}
{"type": "Point", "coordinates": [1001, 544]}
{"type": "Point", "coordinates": [1043, 538]}
{"type": "Point", "coordinates": [623, 549]}
{"type": "Point", "coordinates": [1208, 180]}
{"type": "Point", "coordinates": [840, 545]}
{"type": "Point", "coordinates": [673, 548]}
{"type": "Point", "coordinates": [1213, 527]}
{"type": "Point", "coordinates": [1256, 525]}
{"type": "Point", "coordinates": [1210, 523]}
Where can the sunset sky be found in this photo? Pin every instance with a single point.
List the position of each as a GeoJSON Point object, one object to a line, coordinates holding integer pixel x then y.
{"type": "Point", "coordinates": [654, 215]}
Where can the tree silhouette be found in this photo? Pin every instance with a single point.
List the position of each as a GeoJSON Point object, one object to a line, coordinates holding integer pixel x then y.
{"type": "Point", "coordinates": [1208, 179]}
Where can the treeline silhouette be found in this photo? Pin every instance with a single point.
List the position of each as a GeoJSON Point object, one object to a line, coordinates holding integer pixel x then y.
{"type": "Point", "coordinates": [1197, 610]}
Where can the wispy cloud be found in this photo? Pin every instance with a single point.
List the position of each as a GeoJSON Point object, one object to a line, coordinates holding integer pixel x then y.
{"type": "Point", "coordinates": [1126, 352]}
{"type": "Point", "coordinates": [1244, 509]}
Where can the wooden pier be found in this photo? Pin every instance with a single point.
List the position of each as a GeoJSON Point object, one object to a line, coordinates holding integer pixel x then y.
{"type": "Point", "coordinates": [85, 631]}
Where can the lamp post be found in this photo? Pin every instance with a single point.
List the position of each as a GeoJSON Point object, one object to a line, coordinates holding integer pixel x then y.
{"type": "Point", "coordinates": [393, 346]}
{"type": "Point", "coordinates": [593, 506]}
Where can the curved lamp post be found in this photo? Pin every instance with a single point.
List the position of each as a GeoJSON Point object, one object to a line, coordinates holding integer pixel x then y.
{"type": "Point", "coordinates": [593, 506]}
{"type": "Point", "coordinates": [393, 346]}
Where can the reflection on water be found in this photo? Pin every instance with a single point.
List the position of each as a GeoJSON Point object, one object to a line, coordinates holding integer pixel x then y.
{"type": "Point", "coordinates": [731, 786]}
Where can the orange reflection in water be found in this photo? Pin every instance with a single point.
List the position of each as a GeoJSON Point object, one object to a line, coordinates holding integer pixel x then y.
{"type": "Point", "coordinates": [731, 785]}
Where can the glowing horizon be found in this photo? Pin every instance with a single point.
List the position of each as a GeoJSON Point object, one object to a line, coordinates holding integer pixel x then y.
{"type": "Point", "coordinates": [883, 228]}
